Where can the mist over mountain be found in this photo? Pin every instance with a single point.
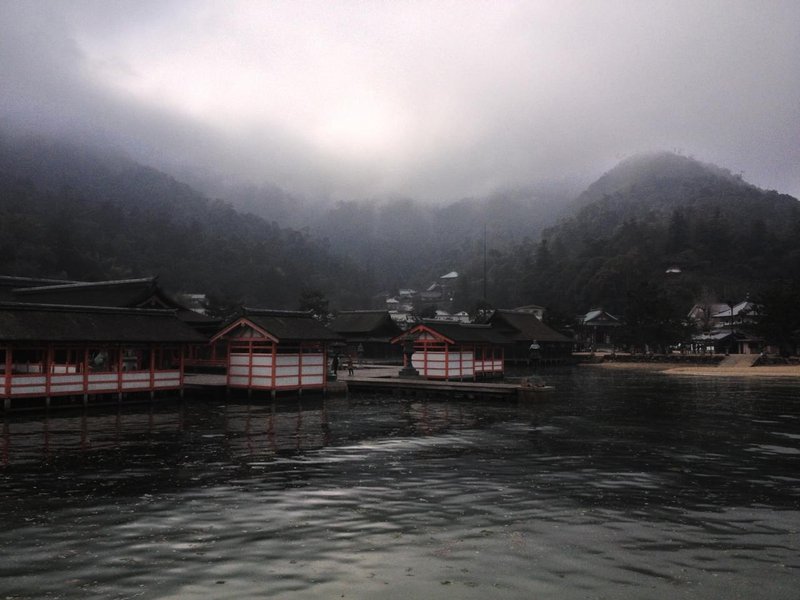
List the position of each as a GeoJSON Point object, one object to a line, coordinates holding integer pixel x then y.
{"type": "Point", "coordinates": [67, 211]}
{"type": "Point", "coordinates": [73, 212]}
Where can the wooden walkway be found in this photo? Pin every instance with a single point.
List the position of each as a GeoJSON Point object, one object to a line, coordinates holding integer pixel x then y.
{"type": "Point", "coordinates": [386, 379]}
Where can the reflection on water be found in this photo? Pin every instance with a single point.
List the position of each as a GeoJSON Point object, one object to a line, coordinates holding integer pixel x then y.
{"type": "Point", "coordinates": [614, 486]}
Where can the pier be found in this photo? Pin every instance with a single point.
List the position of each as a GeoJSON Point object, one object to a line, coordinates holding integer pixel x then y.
{"type": "Point", "coordinates": [386, 379]}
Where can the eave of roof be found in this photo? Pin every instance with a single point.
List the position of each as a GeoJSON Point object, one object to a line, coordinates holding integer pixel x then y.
{"type": "Point", "coordinates": [23, 322]}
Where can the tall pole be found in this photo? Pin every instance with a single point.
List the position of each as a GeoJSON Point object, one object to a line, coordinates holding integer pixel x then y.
{"type": "Point", "coordinates": [484, 263]}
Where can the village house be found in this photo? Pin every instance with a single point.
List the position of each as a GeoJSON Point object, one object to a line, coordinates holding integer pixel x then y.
{"type": "Point", "coordinates": [597, 330]}
{"type": "Point", "coordinates": [456, 351]}
{"type": "Point", "coordinates": [276, 350]}
{"type": "Point", "coordinates": [723, 328]}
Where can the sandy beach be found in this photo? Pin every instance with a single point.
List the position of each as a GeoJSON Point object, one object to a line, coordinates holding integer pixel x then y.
{"type": "Point", "coordinates": [716, 371]}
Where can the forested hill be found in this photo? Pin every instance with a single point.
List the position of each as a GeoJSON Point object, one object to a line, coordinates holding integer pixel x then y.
{"type": "Point", "coordinates": [653, 212]}
{"type": "Point", "coordinates": [69, 212]}
{"type": "Point", "coordinates": [405, 243]}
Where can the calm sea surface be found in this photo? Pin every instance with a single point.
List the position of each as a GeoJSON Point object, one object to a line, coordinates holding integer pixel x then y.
{"type": "Point", "coordinates": [616, 485]}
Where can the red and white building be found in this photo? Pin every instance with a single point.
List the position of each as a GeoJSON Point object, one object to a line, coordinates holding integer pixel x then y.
{"type": "Point", "coordinates": [458, 351]}
{"type": "Point", "coordinates": [56, 350]}
{"type": "Point", "coordinates": [276, 350]}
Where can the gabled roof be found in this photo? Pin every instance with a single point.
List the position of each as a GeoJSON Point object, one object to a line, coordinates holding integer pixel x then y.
{"type": "Point", "coordinates": [699, 310]}
{"type": "Point", "coordinates": [458, 333]}
{"type": "Point", "coordinates": [742, 308]}
{"type": "Point", "coordinates": [365, 322]}
{"type": "Point", "coordinates": [283, 325]}
{"type": "Point", "coordinates": [524, 326]}
{"type": "Point", "coordinates": [599, 315]}
{"type": "Point", "coordinates": [59, 323]}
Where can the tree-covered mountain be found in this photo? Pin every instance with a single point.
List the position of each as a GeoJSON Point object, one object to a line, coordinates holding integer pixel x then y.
{"type": "Point", "coordinates": [70, 212]}
{"type": "Point", "coordinates": [649, 215]}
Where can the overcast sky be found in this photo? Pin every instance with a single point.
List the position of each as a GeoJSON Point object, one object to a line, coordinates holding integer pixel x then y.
{"type": "Point", "coordinates": [427, 99]}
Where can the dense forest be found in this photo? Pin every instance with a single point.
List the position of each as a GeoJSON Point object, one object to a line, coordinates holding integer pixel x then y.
{"type": "Point", "coordinates": [648, 239]}
{"type": "Point", "coordinates": [648, 215]}
{"type": "Point", "coordinates": [651, 238]}
{"type": "Point", "coordinates": [68, 213]}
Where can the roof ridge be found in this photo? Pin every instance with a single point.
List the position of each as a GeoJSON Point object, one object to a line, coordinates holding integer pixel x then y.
{"type": "Point", "coordinates": [249, 310]}
{"type": "Point", "coordinates": [84, 284]}
{"type": "Point", "coordinates": [87, 308]}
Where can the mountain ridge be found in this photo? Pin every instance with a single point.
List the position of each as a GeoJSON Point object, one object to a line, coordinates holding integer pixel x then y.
{"type": "Point", "coordinates": [76, 213]}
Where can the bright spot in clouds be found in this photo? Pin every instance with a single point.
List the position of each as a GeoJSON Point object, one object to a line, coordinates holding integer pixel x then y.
{"type": "Point", "coordinates": [434, 99]}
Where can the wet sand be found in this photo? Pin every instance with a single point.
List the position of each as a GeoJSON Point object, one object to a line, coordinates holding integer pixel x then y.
{"type": "Point", "coordinates": [703, 371]}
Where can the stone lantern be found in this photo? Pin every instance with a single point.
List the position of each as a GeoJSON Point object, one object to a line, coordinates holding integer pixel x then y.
{"type": "Point", "coordinates": [408, 351]}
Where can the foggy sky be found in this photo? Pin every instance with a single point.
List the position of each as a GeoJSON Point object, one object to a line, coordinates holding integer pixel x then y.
{"type": "Point", "coordinates": [434, 100]}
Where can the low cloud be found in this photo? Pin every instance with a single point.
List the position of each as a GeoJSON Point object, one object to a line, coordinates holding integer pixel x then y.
{"type": "Point", "coordinates": [431, 100]}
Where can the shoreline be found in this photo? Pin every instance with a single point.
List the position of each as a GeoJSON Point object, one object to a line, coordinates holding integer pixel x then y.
{"type": "Point", "coordinates": [787, 371]}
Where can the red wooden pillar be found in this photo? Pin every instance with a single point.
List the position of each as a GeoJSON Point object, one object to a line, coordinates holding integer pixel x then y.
{"type": "Point", "coordinates": [7, 374]}
{"type": "Point", "coordinates": [274, 365]}
{"type": "Point", "coordinates": [85, 370]}
{"type": "Point", "coordinates": [324, 368]}
{"type": "Point", "coordinates": [119, 369]}
{"type": "Point", "coordinates": [47, 368]}
{"type": "Point", "coordinates": [182, 365]}
{"type": "Point", "coordinates": [227, 365]}
{"type": "Point", "coordinates": [250, 365]}
{"type": "Point", "coordinates": [153, 348]}
{"type": "Point", "coordinates": [300, 366]}
{"type": "Point", "coordinates": [474, 353]}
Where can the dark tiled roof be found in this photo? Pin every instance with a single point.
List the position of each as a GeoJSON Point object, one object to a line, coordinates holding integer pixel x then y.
{"type": "Point", "coordinates": [126, 293]}
{"type": "Point", "coordinates": [290, 325]}
{"type": "Point", "coordinates": [467, 333]}
{"type": "Point", "coordinates": [374, 323]}
{"type": "Point", "coordinates": [58, 323]}
{"type": "Point", "coordinates": [524, 326]}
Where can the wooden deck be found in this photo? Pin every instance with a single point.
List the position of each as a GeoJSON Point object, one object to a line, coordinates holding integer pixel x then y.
{"type": "Point", "coordinates": [386, 379]}
{"type": "Point", "coordinates": [205, 380]}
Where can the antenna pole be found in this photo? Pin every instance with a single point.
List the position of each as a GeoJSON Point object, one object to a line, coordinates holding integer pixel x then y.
{"type": "Point", "coordinates": [484, 263]}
